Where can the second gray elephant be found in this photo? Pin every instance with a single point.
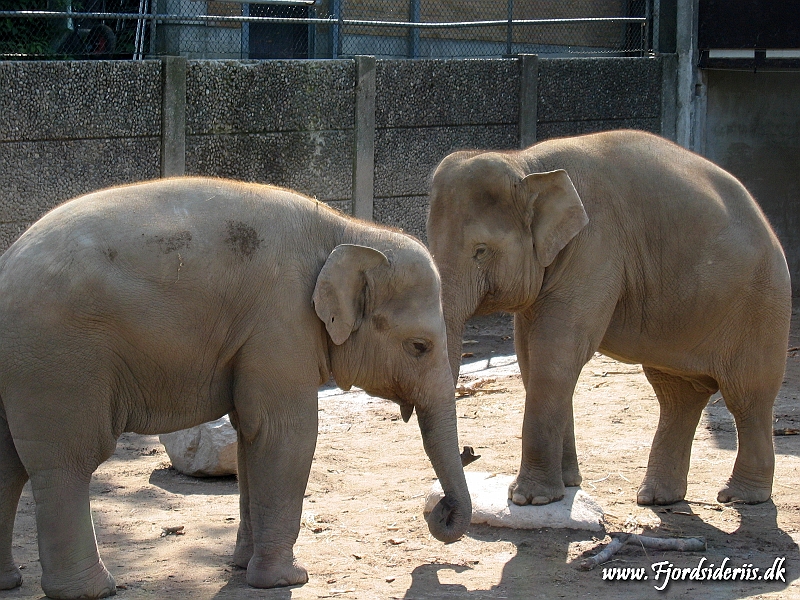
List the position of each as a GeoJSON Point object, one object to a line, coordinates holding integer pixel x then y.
{"type": "Point", "coordinates": [155, 307]}
{"type": "Point", "coordinates": [625, 243]}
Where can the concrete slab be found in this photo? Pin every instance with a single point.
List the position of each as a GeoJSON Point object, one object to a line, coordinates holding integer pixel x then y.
{"type": "Point", "coordinates": [490, 505]}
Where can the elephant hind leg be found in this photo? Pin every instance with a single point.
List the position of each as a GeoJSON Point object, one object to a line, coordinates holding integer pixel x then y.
{"type": "Point", "coordinates": [681, 404]}
{"type": "Point", "coordinates": [12, 479]}
{"type": "Point", "coordinates": [243, 551]}
{"type": "Point", "coordinates": [751, 481]}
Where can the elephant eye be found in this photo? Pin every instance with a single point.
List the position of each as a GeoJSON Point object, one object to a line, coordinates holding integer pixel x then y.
{"type": "Point", "coordinates": [417, 346]}
{"type": "Point", "coordinates": [480, 252]}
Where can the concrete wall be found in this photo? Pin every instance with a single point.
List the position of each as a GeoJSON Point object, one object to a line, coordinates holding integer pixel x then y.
{"type": "Point", "coordinates": [753, 131]}
{"type": "Point", "coordinates": [425, 110]}
{"type": "Point", "coordinates": [289, 123]}
{"type": "Point", "coordinates": [429, 108]}
{"type": "Point", "coordinates": [68, 128]}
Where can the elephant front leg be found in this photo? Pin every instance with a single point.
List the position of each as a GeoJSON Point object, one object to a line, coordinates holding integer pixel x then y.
{"type": "Point", "coordinates": [277, 461]}
{"type": "Point", "coordinates": [570, 471]}
{"type": "Point", "coordinates": [540, 479]}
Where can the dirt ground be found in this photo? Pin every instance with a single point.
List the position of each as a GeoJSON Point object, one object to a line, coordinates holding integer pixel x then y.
{"type": "Point", "coordinates": [364, 535]}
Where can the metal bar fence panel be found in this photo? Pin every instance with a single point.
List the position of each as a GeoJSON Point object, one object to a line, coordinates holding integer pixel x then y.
{"type": "Point", "coordinates": [259, 29]}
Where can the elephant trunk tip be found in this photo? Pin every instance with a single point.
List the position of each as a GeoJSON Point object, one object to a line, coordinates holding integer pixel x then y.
{"type": "Point", "coordinates": [448, 520]}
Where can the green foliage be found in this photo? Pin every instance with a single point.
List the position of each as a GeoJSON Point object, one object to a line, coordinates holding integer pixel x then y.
{"type": "Point", "coordinates": [31, 37]}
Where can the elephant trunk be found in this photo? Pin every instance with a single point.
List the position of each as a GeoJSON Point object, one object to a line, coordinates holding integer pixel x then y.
{"type": "Point", "coordinates": [455, 342]}
{"type": "Point", "coordinates": [455, 318]}
{"type": "Point", "coordinates": [451, 517]}
{"type": "Point", "coordinates": [459, 302]}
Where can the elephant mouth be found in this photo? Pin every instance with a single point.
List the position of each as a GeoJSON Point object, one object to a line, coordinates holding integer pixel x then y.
{"type": "Point", "coordinates": [406, 410]}
{"type": "Point", "coordinates": [406, 407]}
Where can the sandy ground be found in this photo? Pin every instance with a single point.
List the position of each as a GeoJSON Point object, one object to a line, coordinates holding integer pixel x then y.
{"type": "Point", "coordinates": [363, 533]}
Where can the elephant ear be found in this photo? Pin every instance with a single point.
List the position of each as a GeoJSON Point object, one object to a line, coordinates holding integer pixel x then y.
{"type": "Point", "coordinates": [556, 212]}
{"type": "Point", "coordinates": [339, 293]}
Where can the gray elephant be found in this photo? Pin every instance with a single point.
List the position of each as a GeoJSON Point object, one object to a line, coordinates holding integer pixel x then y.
{"type": "Point", "coordinates": [623, 243]}
{"type": "Point", "coordinates": [155, 307]}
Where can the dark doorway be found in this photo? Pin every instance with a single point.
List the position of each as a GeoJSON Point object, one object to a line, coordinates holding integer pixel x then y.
{"type": "Point", "coordinates": [278, 40]}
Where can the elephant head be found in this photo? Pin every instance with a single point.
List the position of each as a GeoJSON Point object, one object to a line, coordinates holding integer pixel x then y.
{"type": "Point", "coordinates": [382, 311]}
{"type": "Point", "coordinates": [494, 228]}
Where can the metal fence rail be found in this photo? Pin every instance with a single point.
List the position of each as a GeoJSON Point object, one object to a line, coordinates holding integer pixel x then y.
{"type": "Point", "coordinates": [135, 29]}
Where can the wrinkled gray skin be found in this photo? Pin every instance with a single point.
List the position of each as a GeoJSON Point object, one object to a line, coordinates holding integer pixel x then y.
{"type": "Point", "coordinates": [623, 243]}
{"type": "Point", "coordinates": [156, 307]}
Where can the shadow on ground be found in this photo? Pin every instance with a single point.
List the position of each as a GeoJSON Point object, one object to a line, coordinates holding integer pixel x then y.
{"type": "Point", "coordinates": [541, 560]}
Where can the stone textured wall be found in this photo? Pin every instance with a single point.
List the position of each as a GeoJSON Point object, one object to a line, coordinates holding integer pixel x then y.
{"type": "Point", "coordinates": [287, 123]}
{"type": "Point", "coordinates": [426, 109]}
{"type": "Point", "coordinates": [68, 128]}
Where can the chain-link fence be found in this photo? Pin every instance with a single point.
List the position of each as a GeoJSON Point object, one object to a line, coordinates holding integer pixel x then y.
{"type": "Point", "coordinates": [136, 29]}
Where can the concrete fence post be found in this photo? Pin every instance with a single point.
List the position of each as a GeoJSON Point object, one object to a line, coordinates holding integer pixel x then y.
{"type": "Point", "coordinates": [364, 138]}
{"type": "Point", "coordinates": [669, 96]}
{"type": "Point", "coordinates": [528, 99]}
{"type": "Point", "coordinates": [173, 116]}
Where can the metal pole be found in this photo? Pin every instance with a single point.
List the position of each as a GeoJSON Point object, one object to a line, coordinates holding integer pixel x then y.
{"type": "Point", "coordinates": [244, 45]}
{"type": "Point", "coordinates": [510, 29]}
{"type": "Point", "coordinates": [312, 34]}
{"type": "Point", "coordinates": [657, 25]}
{"type": "Point", "coordinates": [137, 44]}
{"type": "Point", "coordinates": [336, 29]}
{"type": "Point", "coordinates": [153, 11]}
{"type": "Point", "coordinates": [413, 32]}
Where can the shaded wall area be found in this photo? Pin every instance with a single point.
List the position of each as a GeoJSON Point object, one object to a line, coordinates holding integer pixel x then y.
{"type": "Point", "coordinates": [427, 109]}
{"type": "Point", "coordinates": [752, 130]}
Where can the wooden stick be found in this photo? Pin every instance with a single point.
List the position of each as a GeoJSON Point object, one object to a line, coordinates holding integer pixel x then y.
{"type": "Point", "coordinates": [605, 555]}
{"type": "Point", "coordinates": [677, 544]}
{"type": "Point", "coordinates": [618, 540]}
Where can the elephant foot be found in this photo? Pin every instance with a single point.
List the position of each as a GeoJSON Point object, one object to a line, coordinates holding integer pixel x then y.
{"type": "Point", "coordinates": [269, 574]}
{"type": "Point", "coordinates": [523, 491]}
{"type": "Point", "coordinates": [99, 583]}
{"type": "Point", "coordinates": [10, 579]}
{"type": "Point", "coordinates": [571, 477]}
{"type": "Point", "coordinates": [737, 491]}
{"type": "Point", "coordinates": [242, 554]}
{"type": "Point", "coordinates": [653, 491]}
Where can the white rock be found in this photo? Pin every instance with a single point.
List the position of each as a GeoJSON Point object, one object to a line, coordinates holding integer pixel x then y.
{"type": "Point", "coordinates": [207, 450]}
{"type": "Point", "coordinates": [490, 505]}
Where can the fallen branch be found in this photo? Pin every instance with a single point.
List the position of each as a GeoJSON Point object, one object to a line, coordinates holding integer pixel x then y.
{"type": "Point", "coordinates": [604, 555]}
{"type": "Point", "coordinates": [671, 544]}
{"type": "Point", "coordinates": [467, 389]}
{"type": "Point", "coordinates": [619, 540]}
{"type": "Point", "coordinates": [786, 432]}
